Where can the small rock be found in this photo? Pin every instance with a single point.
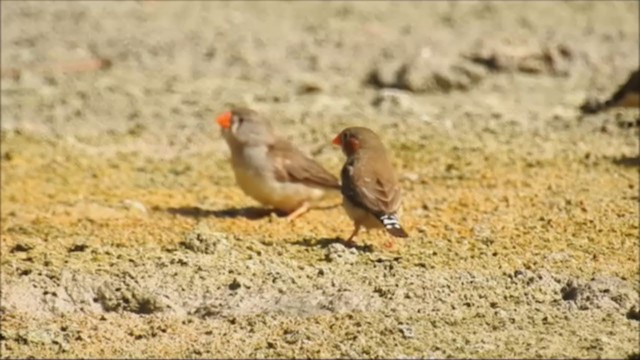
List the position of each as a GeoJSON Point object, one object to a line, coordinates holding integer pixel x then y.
{"type": "Point", "coordinates": [292, 337]}
{"type": "Point", "coordinates": [238, 283]}
{"type": "Point", "coordinates": [385, 292]}
{"type": "Point", "coordinates": [634, 313]}
{"type": "Point", "coordinates": [202, 240]}
{"type": "Point", "coordinates": [410, 176]}
{"type": "Point", "coordinates": [78, 247]}
{"type": "Point", "coordinates": [601, 292]}
{"type": "Point", "coordinates": [208, 310]}
{"type": "Point", "coordinates": [557, 256]}
{"type": "Point", "coordinates": [570, 291]}
{"type": "Point", "coordinates": [338, 253]}
{"type": "Point", "coordinates": [22, 247]}
{"type": "Point", "coordinates": [107, 297]}
{"type": "Point", "coordinates": [310, 85]}
{"type": "Point", "coordinates": [510, 54]}
{"type": "Point", "coordinates": [383, 75]}
{"type": "Point", "coordinates": [520, 273]}
{"type": "Point", "coordinates": [118, 296]}
{"type": "Point", "coordinates": [147, 303]}
{"type": "Point", "coordinates": [426, 74]}
{"type": "Point", "coordinates": [406, 331]}
{"type": "Point", "coordinates": [392, 100]}
{"type": "Point", "coordinates": [135, 205]}
{"type": "Point", "coordinates": [38, 337]}
{"type": "Point", "coordinates": [422, 75]}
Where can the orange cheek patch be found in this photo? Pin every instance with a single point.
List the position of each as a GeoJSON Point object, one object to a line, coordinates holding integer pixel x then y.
{"type": "Point", "coordinates": [354, 144]}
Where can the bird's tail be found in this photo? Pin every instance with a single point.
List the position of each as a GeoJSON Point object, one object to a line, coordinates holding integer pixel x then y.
{"type": "Point", "coordinates": [392, 225]}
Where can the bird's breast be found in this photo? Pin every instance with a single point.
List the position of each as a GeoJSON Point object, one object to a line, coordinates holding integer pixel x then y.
{"type": "Point", "coordinates": [255, 175]}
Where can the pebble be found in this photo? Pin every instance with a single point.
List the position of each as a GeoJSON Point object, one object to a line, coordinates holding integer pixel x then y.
{"type": "Point", "coordinates": [202, 240]}
{"type": "Point", "coordinates": [410, 176]}
{"type": "Point", "coordinates": [338, 253]}
{"type": "Point", "coordinates": [392, 100]}
{"type": "Point", "coordinates": [407, 331]}
{"type": "Point", "coordinates": [135, 205]}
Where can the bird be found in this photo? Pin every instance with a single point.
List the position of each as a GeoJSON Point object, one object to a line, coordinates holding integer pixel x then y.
{"type": "Point", "coordinates": [627, 95]}
{"type": "Point", "coordinates": [370, 189]}
{"type": "Point", "coordinates": [270, 169]}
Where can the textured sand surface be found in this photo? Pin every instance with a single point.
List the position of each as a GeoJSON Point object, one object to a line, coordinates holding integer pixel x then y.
{"type": "Point", "coordinates": [123, 234]}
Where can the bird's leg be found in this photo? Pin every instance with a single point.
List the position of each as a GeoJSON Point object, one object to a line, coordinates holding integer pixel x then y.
{"type": "Point", "coordinates": [351, 239]}
{"type": "Point", "coordinates": [299, 211]}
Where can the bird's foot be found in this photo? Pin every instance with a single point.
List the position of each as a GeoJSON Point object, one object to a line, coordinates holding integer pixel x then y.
{"type": "Point", "coordinates": [298, 212]}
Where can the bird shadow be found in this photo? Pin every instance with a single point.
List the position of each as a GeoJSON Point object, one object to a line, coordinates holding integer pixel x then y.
{"type": "Point", "coordinates": [250, 212]}
{"type": "Point", "coordinates": [628, 161]}
{"type": "Point", "coordinates": [325, 242]}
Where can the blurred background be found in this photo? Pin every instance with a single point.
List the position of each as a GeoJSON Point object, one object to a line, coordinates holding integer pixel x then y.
{"type": "Point", "coordinates": [161, 70]}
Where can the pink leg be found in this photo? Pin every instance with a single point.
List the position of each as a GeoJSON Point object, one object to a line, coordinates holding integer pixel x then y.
{"type": "Point", "coordinates": [299, 211]}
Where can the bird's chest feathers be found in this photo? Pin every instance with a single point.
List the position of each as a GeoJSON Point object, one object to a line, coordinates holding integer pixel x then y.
{"type": "Point", "coordinates": [252, 167]}
{"type": "Point", "coordinates": [255, 175]}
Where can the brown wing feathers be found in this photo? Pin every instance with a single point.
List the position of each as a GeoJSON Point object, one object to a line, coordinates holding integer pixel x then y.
{"type": "Point", "coordinates": [371, 188]}
{"type": "Point", "coordinates": [294, 166]}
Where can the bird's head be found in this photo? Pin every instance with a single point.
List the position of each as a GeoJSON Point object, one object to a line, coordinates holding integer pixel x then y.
{"type": "Point", "coordinates": [243, 126]}
{"type": "Point", "coordinates": [352, 140]}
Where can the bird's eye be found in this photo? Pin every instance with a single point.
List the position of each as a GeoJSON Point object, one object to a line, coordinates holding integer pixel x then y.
{"type": "Point", "coordinates": [236, 122]}
{"type": "Point", "coordinates": [344, 137]}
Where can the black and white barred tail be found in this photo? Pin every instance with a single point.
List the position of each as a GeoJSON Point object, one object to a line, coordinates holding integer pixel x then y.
{"type": "Point", "coordinates": [392, 225]}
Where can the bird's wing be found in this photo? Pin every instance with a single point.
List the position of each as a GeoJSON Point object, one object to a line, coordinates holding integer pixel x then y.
{"type": "Point", "coordinates": [372, 185]}
{"type": "Point", "coordinates": [291, 165]}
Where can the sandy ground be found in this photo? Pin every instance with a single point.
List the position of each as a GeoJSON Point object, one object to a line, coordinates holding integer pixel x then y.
{"type": "Point", "coordinates": [123, 234]}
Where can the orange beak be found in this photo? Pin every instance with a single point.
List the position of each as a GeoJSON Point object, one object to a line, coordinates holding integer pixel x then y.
{"type": "Point", "coordinates": [337, 140]}
{"type": "Point", "coordinates": [224, 120]}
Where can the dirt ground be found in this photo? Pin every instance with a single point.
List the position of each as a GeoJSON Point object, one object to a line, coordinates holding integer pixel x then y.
{"type": "Point", "coordinates": [124, 235]}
